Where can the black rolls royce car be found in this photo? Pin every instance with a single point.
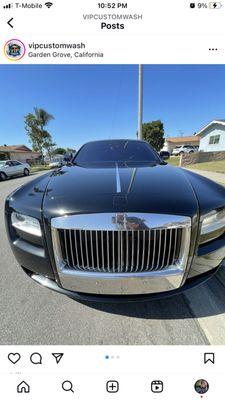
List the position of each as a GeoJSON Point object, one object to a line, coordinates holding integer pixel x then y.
{"type": "Point", "coordinates": [117, 223]}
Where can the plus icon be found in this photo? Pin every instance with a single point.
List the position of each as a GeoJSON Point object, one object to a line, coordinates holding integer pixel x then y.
{"type": "Point", "coordinates": [112, 386]}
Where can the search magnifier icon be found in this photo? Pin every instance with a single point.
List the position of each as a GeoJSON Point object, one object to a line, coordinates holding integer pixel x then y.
{"type": "Point", "coordinates": [67, 386]}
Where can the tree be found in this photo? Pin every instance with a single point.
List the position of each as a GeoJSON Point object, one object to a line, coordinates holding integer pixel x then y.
{"type": "Point", "coordinates": [49, 146]}
{"type": "Point", "coordinates": [153, 133]}
{"type": "Point", "coordinates": [35, 123]}
{"type": "Point", "coordinates": [60, 150]}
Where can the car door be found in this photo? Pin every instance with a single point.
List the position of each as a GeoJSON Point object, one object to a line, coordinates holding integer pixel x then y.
{"type": "Point", "coordinates": [10, 169]}
{"type": "Point", "coordinates": [19, 167]}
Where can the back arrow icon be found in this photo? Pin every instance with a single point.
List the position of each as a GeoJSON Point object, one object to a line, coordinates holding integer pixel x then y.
{"type": "Point", "coordinates": [9, 22]}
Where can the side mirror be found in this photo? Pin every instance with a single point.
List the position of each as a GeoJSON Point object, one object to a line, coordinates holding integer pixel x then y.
{"type": "Point", "coordinates": [68, 157]}
{"type": "Point", "coordinates": [165, 155]}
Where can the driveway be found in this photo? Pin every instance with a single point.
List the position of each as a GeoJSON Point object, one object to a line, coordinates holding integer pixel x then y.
{"type": "Point", "coordinates": [30, 314]}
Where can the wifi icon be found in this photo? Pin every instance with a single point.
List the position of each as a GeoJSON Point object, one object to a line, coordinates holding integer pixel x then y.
{"type": "Point", "coordinates": [49, 4]}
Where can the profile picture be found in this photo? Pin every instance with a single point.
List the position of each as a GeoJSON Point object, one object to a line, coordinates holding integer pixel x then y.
{"type": "Point", "coordinates": [14, 49]}
{"type": "Point", "coordinates": [201, 386]}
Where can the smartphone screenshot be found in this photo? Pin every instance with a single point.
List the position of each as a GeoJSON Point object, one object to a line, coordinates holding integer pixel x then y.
{"type": "Point", "coordinates": [112, 199]}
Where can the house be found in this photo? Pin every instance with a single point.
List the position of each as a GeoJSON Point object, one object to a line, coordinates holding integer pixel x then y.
{"type": "Point", "coordinates": [18, 152]}
{"type": "Point", "coordinates": [171, 142]}
{"type": "Point", "coordinates": [212, 136]}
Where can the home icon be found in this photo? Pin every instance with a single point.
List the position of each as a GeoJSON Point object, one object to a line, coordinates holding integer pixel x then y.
{"type": "Point", "coordinates": [23, 387]}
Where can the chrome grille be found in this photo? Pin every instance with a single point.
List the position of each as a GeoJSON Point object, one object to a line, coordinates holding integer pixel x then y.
{"type": "Point", "coordinates": [120, 251]}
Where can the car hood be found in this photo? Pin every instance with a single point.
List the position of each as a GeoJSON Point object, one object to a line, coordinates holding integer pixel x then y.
{"type": "Point", "coordinates": [156, 189]}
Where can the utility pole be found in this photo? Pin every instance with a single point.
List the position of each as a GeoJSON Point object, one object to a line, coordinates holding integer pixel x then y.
{"type": "Point", "coordinates": [140, 101]}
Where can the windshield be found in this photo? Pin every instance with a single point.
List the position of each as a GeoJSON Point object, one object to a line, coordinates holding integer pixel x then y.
{"type": "Point", "coordinates": [116, 151]}
{"type": "Point", "coordinates": [2, 163]}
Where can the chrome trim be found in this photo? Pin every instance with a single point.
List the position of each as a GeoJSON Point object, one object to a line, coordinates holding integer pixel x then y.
{"type": "Point", "coordinates": [143, 252]}
{"type": "Point", "coordinates": [164, 249]}
{"type": "Point", "coordinates": [129, 282]}
{"type": "Point", "coordinates": [107, 249]}
{"type": "Point", "coordinates": [121, 284]}
{"type": "Point", "coordinates": [120, 221]}
{"type": "Point", "coordinates": [92, 254]}
{"type": "Point", "coordinates": [160, 236]}
{"type": "Point", "coordinates": [86, 248]}
{"type": "Point", "coordinates": [149, 246]}
{"type": "Point", "coordinates": [71, 248]}
{"type": "Point", "coordinates": [118, 183]}
{"type": "Point", "coordinates": [174, 252]}
{"type": "Point", "coordinates": [127, 253]}
{"type": "Point", "coordinates": [153, 257]}
{"type": "Point", "coordinates": [81, 247]}
{"type": "Point", "coordinates": [169, 252]}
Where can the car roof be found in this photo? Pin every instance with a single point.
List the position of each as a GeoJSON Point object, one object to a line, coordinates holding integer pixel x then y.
{"type": "Point", "coordinates": [9, 160]}
{"type": "Point", "coordinates": [115, 140]}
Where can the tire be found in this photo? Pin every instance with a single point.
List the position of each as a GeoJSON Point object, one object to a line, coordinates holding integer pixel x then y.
{"type": "Point", "coordinates": [191, 152]}
{"type": "Point", "coordinates": [3, 176]}
{"type": "Point", "coordinates": [181, 152]}
{"type": "Point", "coordinates": [26, 172]}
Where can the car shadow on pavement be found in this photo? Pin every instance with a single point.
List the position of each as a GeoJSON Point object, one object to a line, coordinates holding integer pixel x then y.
{"type": "Point", "coordinates": [205, 300]}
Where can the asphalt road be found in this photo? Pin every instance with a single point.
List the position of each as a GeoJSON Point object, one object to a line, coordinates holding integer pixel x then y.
{"type": "Point", "coordinates": [30, 314]}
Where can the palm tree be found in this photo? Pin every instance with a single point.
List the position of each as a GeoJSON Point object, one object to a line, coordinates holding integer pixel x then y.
{"type": "Point", "coordinates": [35, 126]}
{"type": "Point", "coordinates": [42, 117]}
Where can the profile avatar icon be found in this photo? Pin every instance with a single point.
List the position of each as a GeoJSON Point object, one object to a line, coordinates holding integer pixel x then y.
{"type": "Point", "coordinates": [201, 386]}
{"type": "Point", "coordinates": [14, 49]}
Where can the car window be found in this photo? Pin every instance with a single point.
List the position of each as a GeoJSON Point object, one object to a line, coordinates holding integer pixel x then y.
{"type": "Point", "coordinates": [15, 163]}
{"type": "Point", "coordinates": [9, 163]}
{"type": "Point", "coordinates": [116, 151]}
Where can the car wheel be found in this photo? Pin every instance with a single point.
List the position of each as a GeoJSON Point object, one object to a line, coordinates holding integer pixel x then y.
{"type": "Point", "coordinates": [3, 176]}
{"type": "Point", "coordinates": [181, 152]}
{"type": "Point", "coordinates": [26, 172]}
{"type": "Point", "coordinates": [191, 151]}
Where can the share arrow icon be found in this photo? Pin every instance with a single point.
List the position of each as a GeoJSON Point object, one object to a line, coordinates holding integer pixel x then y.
{"type": "Point", "coordinates": [58, 357]}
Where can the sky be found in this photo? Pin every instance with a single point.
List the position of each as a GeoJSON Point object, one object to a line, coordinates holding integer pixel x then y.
{"type": "Point", "coordinates": [91, 102]}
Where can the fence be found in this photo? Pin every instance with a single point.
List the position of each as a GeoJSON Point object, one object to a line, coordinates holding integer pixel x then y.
{"type": "Point", "coordinates": [200, 157]}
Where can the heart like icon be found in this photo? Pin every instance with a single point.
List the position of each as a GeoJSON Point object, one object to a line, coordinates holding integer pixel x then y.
{"type": "Point", "coordinates": [14, 357]}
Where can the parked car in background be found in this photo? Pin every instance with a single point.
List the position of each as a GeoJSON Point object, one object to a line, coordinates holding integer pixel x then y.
{"type": "Point", "coordinates": [178, 150]}
{"type": "Point", "coordinates": [9, 168]}
{"type": "Point", "coordinates": [117, 223]}
{"type": "Point", "coordinates": [56, 164]}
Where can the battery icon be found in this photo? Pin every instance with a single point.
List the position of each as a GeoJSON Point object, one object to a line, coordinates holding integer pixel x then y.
{"type": "Point", "coordinates": [215, 5]}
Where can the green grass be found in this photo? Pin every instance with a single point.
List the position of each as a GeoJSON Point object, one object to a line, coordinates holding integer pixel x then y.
{"type": "Point", "coordinates": [212, 166]}
{"type": "Point", "coordinates": [38, 168]}
{"type": "Point", "coordinates": [173, 160]}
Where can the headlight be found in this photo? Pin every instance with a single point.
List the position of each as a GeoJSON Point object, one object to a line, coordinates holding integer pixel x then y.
{"type": "Point", "coordinates": [26, 224]}
{"type": "Point", "coordinates": [213, 225]}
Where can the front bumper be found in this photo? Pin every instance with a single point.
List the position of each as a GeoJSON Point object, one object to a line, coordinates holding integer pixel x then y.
{"type": "Point", "coordinates": [122, 284]}
{"type": "Point", "coordinates": [40, 267]}
{"type": "Point", "coordinates": [204, 265]}
{"type": "Point", "coordinates": [86, 297]}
